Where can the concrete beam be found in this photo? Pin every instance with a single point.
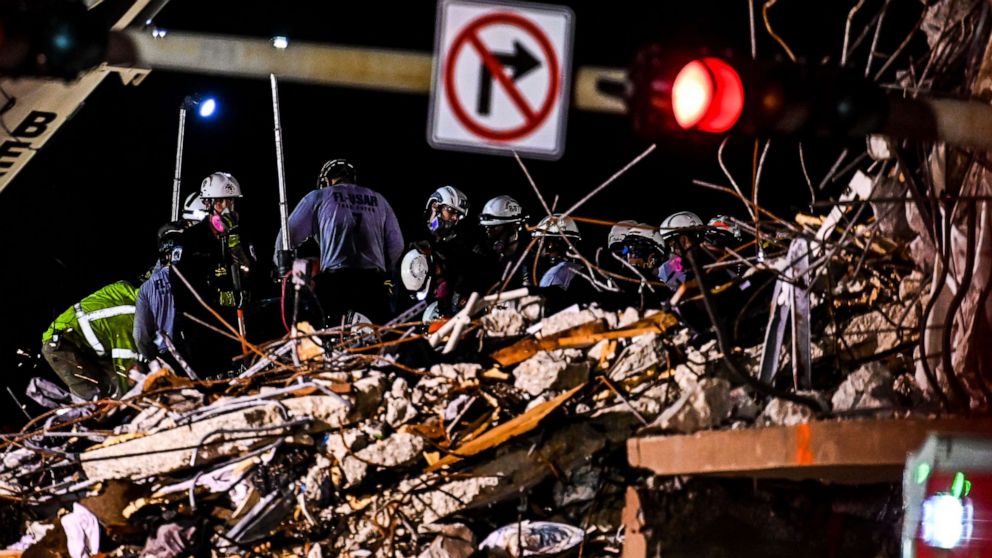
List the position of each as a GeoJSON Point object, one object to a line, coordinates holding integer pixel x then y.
{"type": "Point", "coordinates": [857, 451]}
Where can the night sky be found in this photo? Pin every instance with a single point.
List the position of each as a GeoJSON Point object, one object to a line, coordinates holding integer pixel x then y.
{"type": "Point", "coordinates": [84, 211]}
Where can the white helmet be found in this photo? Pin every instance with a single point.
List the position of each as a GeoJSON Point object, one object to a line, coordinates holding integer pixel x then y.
{"type": "Point", "coordinates": [676, 221]}
{"type": "Point", "coordinates": [647, 232]}
{"type": "Point", "coordinates": [220, 185]}
{"type": "Point", "coordinates": [618, 232]}
{"type": "Point", "coordinates": [724, 225]}
{"type": "Point", "coordinates": [501, 210]}
{"type": "Point", "coordinates": [415, 272]}
{"type": "Point", "coordinates": [431, 313]}
{"type": "Point", "coordinates": [556, 225]}
{"type": "Point", "coordinates": [450, 196]}
{"type": "Point", "coordinates": [195, 209]}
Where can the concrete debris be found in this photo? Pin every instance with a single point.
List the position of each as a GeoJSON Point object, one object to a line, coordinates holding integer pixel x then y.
{"type": "Point", "coordinates": [557, 370]}
{"type": "Point", "coordinates": [911, 286]}
{"type": "Point", "coordinates": [880, 331]}
{"type": "Point", "coordinates": [781, 412]}
{"type": "Point", "coordinates": [743, 404]}
{"type": "Point", "coordinates": [572, 317]}
{"type": "Point", "coordinates": [686, 377]}
{"type": "Point", "coordinates": [581, 485]}
{"type": "Point", "coordinates": [400, 449]}
{"type": "Point", "coordinates": [647, 399]}
{"type": "Point", "coordinates": [363, 454]}
{"type": "Point", "coordinates": [451, 541]}
{"type": "Point", "coordinates": [869, 387]}
{"type": "Point", "coordinates": [317, 486]}
{"type": "Point", "coordinates": [504, 323]}
{"type": "Point", "coordinates": [399, 408]}
{"type": "Point", "coordinates": [460, 373]}
{"type": "Point", "coordinates": [211, 438]}
{"type": "Point", "coordinates": [704, 405]}
{"type": "Point", "coordinates": [641, 354]}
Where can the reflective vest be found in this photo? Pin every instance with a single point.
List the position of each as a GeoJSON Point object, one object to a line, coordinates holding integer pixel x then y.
{"type": "Point", "coordinates": [104, 322]}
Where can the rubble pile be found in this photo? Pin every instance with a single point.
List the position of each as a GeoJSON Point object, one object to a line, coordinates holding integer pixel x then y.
{"type": "Point", "coordinates": [332, 444]}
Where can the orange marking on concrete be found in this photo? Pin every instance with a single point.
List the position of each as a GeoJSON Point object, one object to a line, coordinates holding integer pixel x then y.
{"type": "Point", "coordinates": [804, 437]}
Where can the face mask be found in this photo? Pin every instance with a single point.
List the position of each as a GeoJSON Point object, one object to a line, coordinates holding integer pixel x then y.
{"type": "Point", "coordinates": [217, 223]}
{"type": "Point", "coordinates": [441, 227]}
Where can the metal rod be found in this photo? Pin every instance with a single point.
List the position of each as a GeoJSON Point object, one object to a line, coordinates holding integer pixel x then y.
{"type": "Point", "coordinates": [176, 179]}
{"type": "Point", "coordinates": [280, 166]}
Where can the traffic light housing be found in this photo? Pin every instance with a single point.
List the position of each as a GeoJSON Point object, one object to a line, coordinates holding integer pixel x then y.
{"type": "Point", "coordinates": [676, 92]}
{"type": "Point", "coordinates": [56, 38]}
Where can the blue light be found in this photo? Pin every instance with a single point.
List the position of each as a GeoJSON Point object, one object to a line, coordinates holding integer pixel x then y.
{"type": "Point", "coordinates": [280, 42]}
{"type": "Point", "coordinates": [207, 108]}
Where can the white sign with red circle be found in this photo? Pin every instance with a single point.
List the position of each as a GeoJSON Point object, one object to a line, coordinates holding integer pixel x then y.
{"type": "Point", "coordinates": [501, 78]}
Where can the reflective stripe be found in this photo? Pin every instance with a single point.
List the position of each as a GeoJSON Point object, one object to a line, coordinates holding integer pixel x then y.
{"type": "Point", "coordinates": [84, 326]}
{"type": "Point", "coordinates": [109, 312]}
{"type": "Point", "coordinates": [124, 354]}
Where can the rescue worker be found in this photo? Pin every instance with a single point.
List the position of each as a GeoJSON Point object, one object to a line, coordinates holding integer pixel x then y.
{"type": "Point", "coordinates": [446, 208]}
{"type": "Point", "coordinates": [455, 264]}
{"type": "Point", "coordinates": [642, 250]}
{"type": "Point", "coordinates": [360, 243]}
{"type": "Point", "coordinates": [90, 345]}
{"type": "Point", "coordinates": [195, 209]}
{"type": "Point", "coordinates": [217, 264]}
{"type": "Point", "coordinates": [155, 307]}
{"type": "Point", "coordinates": [503, 222]}
{"type": "Point", "coordinates": [563, 280]}
{"type": "Point", "coordinates": [673, 271]}
{"type": "Point", "coordinates": [684, 233]}
{"type": "Point", "coordinates": [609, 258]}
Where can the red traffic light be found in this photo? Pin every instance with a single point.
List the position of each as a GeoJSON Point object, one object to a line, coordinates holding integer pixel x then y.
{"type": "Point", "coordinates": [707, 95]}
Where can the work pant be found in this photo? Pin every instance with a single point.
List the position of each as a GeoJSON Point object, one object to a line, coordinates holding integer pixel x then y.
{"type": "Point", "coordinates": [357, 290]}
{"type": "Point", "coordinates": [80, 369]}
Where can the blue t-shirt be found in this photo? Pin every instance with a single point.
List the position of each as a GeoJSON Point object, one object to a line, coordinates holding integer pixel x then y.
{"type": "Point", "coordinates": [355, 227]}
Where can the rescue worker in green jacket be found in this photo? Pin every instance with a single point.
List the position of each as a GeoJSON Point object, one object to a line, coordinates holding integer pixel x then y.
{"type": "Point", "coordinates": [90, 346]}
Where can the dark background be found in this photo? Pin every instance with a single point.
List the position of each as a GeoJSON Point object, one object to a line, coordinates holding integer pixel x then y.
{"type": "Point", "coordinates": [84, 211]}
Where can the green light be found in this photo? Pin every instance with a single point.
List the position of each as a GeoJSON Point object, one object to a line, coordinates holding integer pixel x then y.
{"type": "Point", "coordinates": [922, 473]}
{"type": "Point", "coordinates": [967, 487]}
{"type": "Point", "coordinates": [957, 486]}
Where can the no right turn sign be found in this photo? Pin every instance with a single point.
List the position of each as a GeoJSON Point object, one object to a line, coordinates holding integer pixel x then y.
{"type": "Point", "coordinates": [501, 78]}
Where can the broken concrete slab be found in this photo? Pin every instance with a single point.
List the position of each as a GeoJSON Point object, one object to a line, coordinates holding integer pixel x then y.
{"type": "Point", "coordinates": [399, 450]}
{"type": "Point", "coordinates": [705, 405]}
{"type": "Point", "coordinates": [785, 413]}
{"type": "Point", "coordinates": [642, 353]}
{"type": "Point", "coordinates": [214, 437]}
{"type": "Point", "coordinates": [880, 330]}
{"type": "Point", "coordinates": [458, 373]}
{"type": "Point", "coordinates": [856, 452]}
{"type": "Point", "coordinates": [555, 370]}
{"type": "Point", "coordinates": [868, 387]}
{"type": "Point", "coordinates": [572, 317]}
